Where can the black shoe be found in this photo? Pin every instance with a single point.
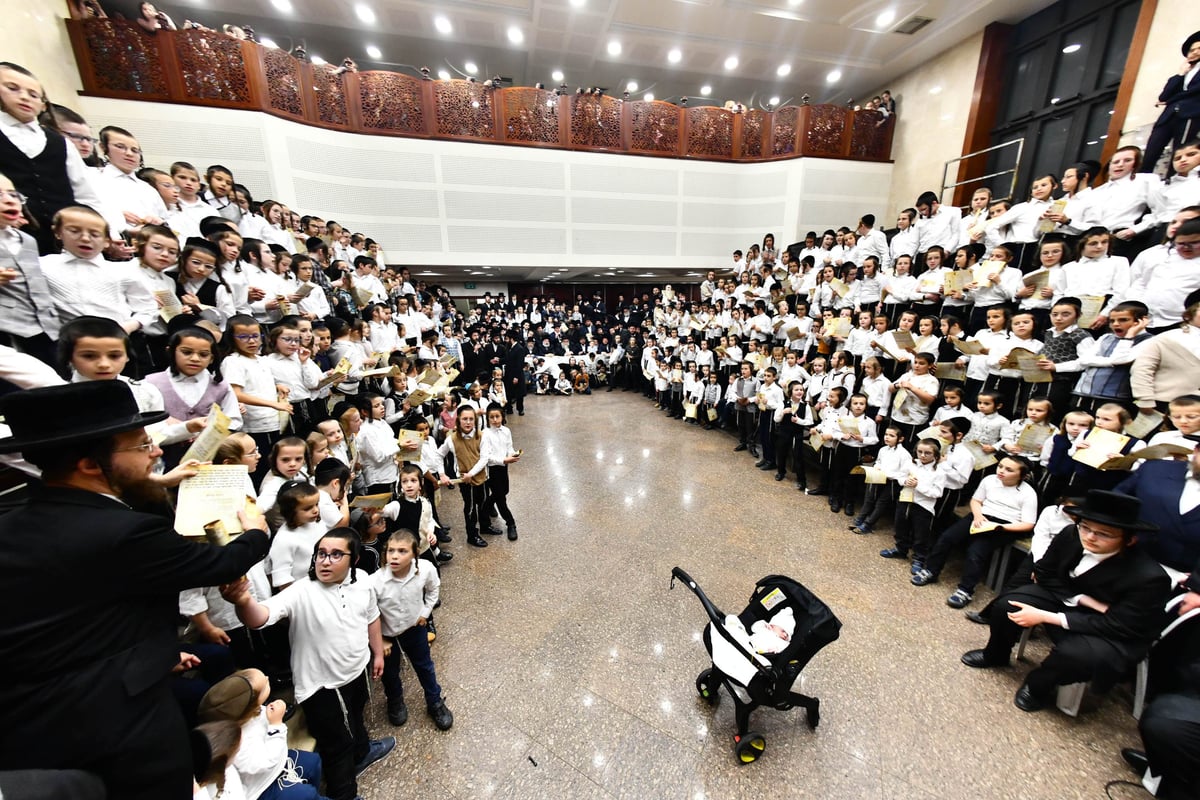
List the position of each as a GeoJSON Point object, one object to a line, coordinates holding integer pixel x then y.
{"type": "Point", "coordinates": [820, 490]}
{"type": "Point", "coordinates": [512, 532]}
{"type": "Point", "coordinates": [754, 452]}
{"type": "Point", "coordinates": [779, 476]}
{"type": "Point", "coordinates": [740, 448]}
{"type": "Point", "coordinates": [398, 714]}
{"type": "Point", "coordinates": [475, 540]}
{"type": "Point", "coordinates": [1026, 700]}
{"type": "Point", "coordinates": [1136, 759]}
{"type": "Point", "coordinates": [378, 751]}
{"type": "Point", "coordinates": [520, 413]}
{"type": "Point", "coordinates": [492, 530]}
{"type": "Point", "coordinates": [802, 487]}
{"type": "Point", "coordinates": [979, 660]}
{"type": "Point", "coordinates": [441, 716]}
{"type": "Point", "coordinates": [835, 506]}
{"type": "Point", "coordinates": [443, 535]}
{"type": "Point", "coordinates": [849, 509]}
{"type": "Point", "coordinates": [443, 557]}
{"type": "Point", "coordinates": [978, 618]}
{"type": "Point", "coordinates": [762, 462]}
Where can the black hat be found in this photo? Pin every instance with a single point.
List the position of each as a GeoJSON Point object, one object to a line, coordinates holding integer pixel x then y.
{"type": "Point", "coordinates": [75, 412]}
{"type": "Point", "coordinates": [197, 243]}
{"type": "Point", "coordinates": [216, 224]}
{"type": "Point", "coordinates": [1109, 508]}
{"type": "Point", "coordinates": [1191, 40]}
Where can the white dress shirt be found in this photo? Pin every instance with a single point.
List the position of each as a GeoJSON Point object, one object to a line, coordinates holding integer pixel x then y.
{"type": "Point", "coordinates": [1118, 204]}
{"type": "Point", "coordinates": [124, 191]}
{"type": "Point", "coordinates": [940, 229]}
{"type": "Point", "coordinates": [100, 288]}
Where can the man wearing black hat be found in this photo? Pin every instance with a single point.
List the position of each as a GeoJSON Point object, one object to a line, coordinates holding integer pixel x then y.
{"type": "Point", "coordinates": [1099, 596]}
{"type": "Point", "coordinates": [89, 599]}
{"type": "Point", "coordinates": [514, 372]}
{"type": "Point", "coordinates": [1180, 98]}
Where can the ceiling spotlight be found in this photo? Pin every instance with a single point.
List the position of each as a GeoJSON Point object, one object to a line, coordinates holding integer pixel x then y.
{"type": "Point", "coordinates": [675, 56]}
{"type": "Point", "coordinates": [631, 86]}
{"type": "Point", "coordinates": [515, 35]}
{"type": "Point", "coordinates": [374, 52]}
{"type": "Point", "coordinates": [885, 18]}
{"type": "Point", "coordinates": [471, 69]}
{"type": "Point", "coordinates": [443, 75]}
{"type": "Point", "coordinates": [557, 75]}
{"type": "Point", "coordinates": [365, 14]}
{"type": "Point", "coordinates": [731, 62]}
{"type": "Point", "coordinates": [1072, 48]}
{"type": "Point", "coordinates": [774, 101]}
{"type": "Point", "coordinates": [282, 5]}
{"type": "Point", "coordinates": [316, 60]}
{"type": "Point", "coordinates": [614, 48]}
{"type": "Point", "coordinates": [834, 76]}
{"type": "Point", "coordinates": [705, 90]}
{"type": "Point", "coordinates": [784, 70]}
{"type": "Point", "coordinates": [578, 3]}
{"type": "Point", "coordinates": [648, 96]}
{"type": "Point", "coordinates": [265, 42]}
{"type": "Point", "coordinates": [442, 24]}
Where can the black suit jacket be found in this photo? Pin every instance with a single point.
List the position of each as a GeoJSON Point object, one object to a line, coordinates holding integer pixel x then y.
{"type": "Point", "coordinates": [1180, 102]}
{"type": "Point", "coordinates": [89, 602]}
{"type": "Point", "coordinates": [1133, 585]}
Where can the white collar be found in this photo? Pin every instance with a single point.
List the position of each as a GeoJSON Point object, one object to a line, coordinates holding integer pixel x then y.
{"type": "Point", "coordinates": [177, 377]}
{"type": "Point", "coordinates": [9, 121]}
{"type": "Point", "coordinates": [113, 172]}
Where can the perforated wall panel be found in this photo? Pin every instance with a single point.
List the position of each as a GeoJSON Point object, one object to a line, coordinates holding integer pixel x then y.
{"type": "Point", "coordinates": [631, 211]}
{"type": "Point", "coordinates": [708, 184]}
{"type": "Point", "coordinates": [508, 240]}
{"type": "Point", "coordinates": [509, 207]}
{"type": "Point", "coordinates": [341, 198]}
{"type": "Point", "coordinates": [765, 215]}
{"type": "Point", "coordinates": [617, 242]}
{"type": "Point", "coordinates": [503, 171]}
{"type": "Point", "coordinates": [624, 180]}
{"type": "Point", "coordinates": [371, 163]}
{"type": "Point", "coordinates": [401, 238]}
{"type": "Point", "coordinates": [201, 144]}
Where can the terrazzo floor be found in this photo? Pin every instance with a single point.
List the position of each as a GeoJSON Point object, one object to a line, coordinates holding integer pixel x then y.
{"type": "Point", "coordinates": [570, 666]}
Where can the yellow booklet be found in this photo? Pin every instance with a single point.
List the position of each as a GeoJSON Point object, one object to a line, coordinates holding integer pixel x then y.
{"type": "Point", "coordinates": [1101, 446]}
{"type": "Point", "coordinates": [214, 495]}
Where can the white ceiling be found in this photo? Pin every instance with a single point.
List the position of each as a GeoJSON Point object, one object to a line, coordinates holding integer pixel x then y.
{"type": "Point", "coordinates": [814, 37]}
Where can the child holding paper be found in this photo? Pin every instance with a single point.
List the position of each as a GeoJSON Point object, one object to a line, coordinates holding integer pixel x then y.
{"type": "Point", "coordinates": [497, 448]}
{"type": "Point", "coordinates": [920, 489]}
{"type": "Point", "coordinates": [913, 393]}
{"type": "Point", "coordinates": [893, 460]}
{"type": "Point", "coordinates": [1111, 418]}
{"type": "Point", "coordinates": [792, 420]}
{"type": "Point", "coordinates": [252, 382]}
{"type": "Point", "coordinates": [854, 433]}
{"type": "Point", "coordinates": [377, 446]}
{"type": "Point", "coordinates": [1056, 457]}
{"type": "Point", "coordinates": [1004, 375]}
{"type": "Point", "coordinates": [1025, 437]}
{"type": "Point", "coordinates": [957, 465]}
{"type": "Point", "coordinates": [299, 506]}
{"type": "Point", "coordinates": [833, 410]}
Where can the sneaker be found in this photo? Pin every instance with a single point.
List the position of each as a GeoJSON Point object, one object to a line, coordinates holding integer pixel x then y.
{"type": "Point", "coordinates": [924, 578]}
{"type": "Point", "coordinates": [917, 566]}
{"type": "Point", "coordinates": [856, 522]}
{"type": "Point", "coordinates": [893, 552]}
{"type": "Point", "coordinates": [378, 751]}
{"type": "Point", "coordinates": [441, 716]}
{"type": "Point", "coordinates": [959, 599]}
{"type": "Point", "coordinates": [397, 714]}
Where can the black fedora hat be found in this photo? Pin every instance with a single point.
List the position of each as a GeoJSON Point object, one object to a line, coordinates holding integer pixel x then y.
{"type": "Point", "coordinates": [74, 412]}
{"type": "Point", "coordinates": [1189, 41]}
{"type": "Point", "coordinates": [1109, 508]}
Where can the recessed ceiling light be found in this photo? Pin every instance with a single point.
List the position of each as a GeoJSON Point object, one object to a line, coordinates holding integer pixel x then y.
{"type": "Point", "coordinates": [374, 52]}
{"type": "Point", "coordinates": [443, 75]}
{"type": "Point", "coordinates": [443, 25]}
{"type": "Point", "coordinates": [614, 48]}
{"type": "Point", "coordinates": [834, 76]}
{"type": "Point", "coordinates": [1055, 101]}
{"type": "Point", "coordinates": [706, 90]}
{"type": "Point", "coordinates": [675, 55]}
{"type": "Point", "coordinates": [578, 3]}
{"type": "Point", "coordinates": [795, 3]}
{"type": "Point", "coordinates": [557, 75]}
{"type": "Point", "coordinates": [316, 60]}
{"type": "Point", "coordinates": [515, 35]}
{"type": "Point", "coordinates": [1072, 48]}
{"type": "Point", "coordinates": [283, 5]}
{"type": "Point", "coordinates": [935, 90]}
{"type": "Point", "coordinates": [774, 101]}
{"type": "Point", "coordinates": [365, 13]}
{"type": "Point", "coordinates": [885, 18]}
{"type": "Point", "coordinates": [731, 62]}
{"type": "Point", "coordinates": [648, 96]}
{"type": "Point", "coordinates": [265, 42]}
{"type": "Point", "coordinates": [631, 86]}
{"type": "Point", "coordinates": [470, 68]}
{"type": "Point", "coordinates": [1093, 142]}
{"type": "Point", "coordinates": [784, 70]}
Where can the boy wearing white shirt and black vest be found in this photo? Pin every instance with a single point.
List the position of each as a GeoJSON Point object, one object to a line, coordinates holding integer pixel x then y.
{"type": "Point", "coordinates": [742, 392]}
{"type": "Point", "coordinates": [770, 399]}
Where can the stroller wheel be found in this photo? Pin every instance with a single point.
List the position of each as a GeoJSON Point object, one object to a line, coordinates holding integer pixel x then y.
{"type": "Point", "coordinates": [748, 748]}
{"type": "Point", "coordinates": [707, 688]}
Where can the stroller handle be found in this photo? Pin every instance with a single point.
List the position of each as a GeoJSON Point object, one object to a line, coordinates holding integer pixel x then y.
{"type": "Point", "coordinates": [714, 613]}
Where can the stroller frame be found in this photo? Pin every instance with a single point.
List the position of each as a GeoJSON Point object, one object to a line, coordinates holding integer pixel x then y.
{"type": "Point", "coordinates": [771, 685]}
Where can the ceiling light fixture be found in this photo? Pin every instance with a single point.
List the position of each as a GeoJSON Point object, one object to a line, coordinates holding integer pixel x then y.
{"type": "Point", "coordinates": [614, 48]}
{"type": "Point", "coordinates": [443, 25]}
{"type": "Point", "coordinates": [631, 86]}
{"type": "Point", "coordinates": [885, 18]}
{"type": "Point", "coordinates": [374, 52]}
{"type": "Point", "coordinates": [834, 76]}
{"type": "Point", "coordinates": [470, 68]}
{"type": "Point", "coordinates": [774, 101]}
{"type": "Point", "coordinates": [1072, 48]}
{"type": "Point", "coordinates": [265, 42]}
{"type": "Point", "coordinates": [675, 55]}
{"type": "Point", "coordinates": [515, 35]}
{"type": "Point", "coordinates": [578, 3]}
{"type": "Point", "coordinates": [443, 75]}
{"type": "Point", "coordinates": [557, 76]}
{"type": "Point", "coordinates": [784, 70]}
{"type": "Point", "coordinates": [731, 63]}
{"type": "Point", "coordinates": [648, 96]}
{"type": "Point", "coordinates": [317, 60]}
{"type": "Point", "coordinates": [365, 14]}
{"type": "Point", "coordinates": [705, 90]}
{"type": "Point", "coordinates": [283, 5]}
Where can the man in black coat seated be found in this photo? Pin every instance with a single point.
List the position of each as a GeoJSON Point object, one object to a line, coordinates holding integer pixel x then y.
{"type": "Point", "coordinates": [89, 598]}
{"type": "Point", "coordinates": [1100, 597]}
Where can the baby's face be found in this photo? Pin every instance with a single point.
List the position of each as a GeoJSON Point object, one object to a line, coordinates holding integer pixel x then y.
{"type": "Point", "coordinates": [778, 631]}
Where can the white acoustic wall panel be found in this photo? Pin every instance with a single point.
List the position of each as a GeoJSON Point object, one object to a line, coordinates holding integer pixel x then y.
{"type": "Point", "coordinates": [433, 203]}
{"type": "Point", "coordinates": [360, 161]}
{"type": "Point", "coordinates": [626, 211]}
{"type": "Point", "coordinates": [502, 170]}
{"type": "Point", "coordinates": [505, 207]}
{"type": "Point", "coordinates": [624, 179]}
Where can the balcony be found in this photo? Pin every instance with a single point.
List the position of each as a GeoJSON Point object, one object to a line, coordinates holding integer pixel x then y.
{"type": "Point", "coordinates": [117, 59]}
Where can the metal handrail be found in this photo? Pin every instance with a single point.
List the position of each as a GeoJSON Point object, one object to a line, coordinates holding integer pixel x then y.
{"type": "Point", "coordinates": [1012, 188]}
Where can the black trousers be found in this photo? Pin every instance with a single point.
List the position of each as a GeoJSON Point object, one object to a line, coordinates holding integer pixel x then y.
{"type": "Point", "coordinates": [1170, 728]}
{"type": "Point", "coordinates": [473, 497]}
{"type": "Point", "coordinates": [747, 421]}
{"type": "Point", "coordinates": [497, 495]}
{"type": "Point", "coordinates": [979, 547]}
{"type": "Point", "coordinates": [335, 719]}
{"type": "Point", "coordinates": [841, 482]}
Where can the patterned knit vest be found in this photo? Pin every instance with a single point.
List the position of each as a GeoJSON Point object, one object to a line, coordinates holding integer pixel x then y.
{"type": "Point", "coordinates": [1060, 347]}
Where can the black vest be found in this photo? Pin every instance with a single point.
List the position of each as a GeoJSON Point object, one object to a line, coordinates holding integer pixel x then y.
{"type": "Point", "coordinates": [206, 294]}
{"type": "Point", "coordinates": [43, 179]}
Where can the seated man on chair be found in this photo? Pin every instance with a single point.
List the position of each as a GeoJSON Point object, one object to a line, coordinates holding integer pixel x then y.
{"type": "Point", "coordinates": [1099, 596]}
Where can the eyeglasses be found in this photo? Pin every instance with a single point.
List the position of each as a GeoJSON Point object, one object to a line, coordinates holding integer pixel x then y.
{"type": "Point", "coordinates": [1187, 245]}
{"type": "Point", "coordinates": [1089, 530]}
{"type": "Point", "coordinates": [290, 339]}
{"type": "Point", "coordinates": [125, 148]}
{"type": "Point", "coordinates": [331, 556]}
{"type": "Point", "coordinates": [145, 447]}
{"type": "Point", "coordinates": [247, 337]}
{"type": "Point", "coordinates": [79, 137]}
{"type": "Point", "coordinates": [13, 194]}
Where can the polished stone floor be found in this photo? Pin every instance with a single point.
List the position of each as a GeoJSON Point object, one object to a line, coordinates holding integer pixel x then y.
{"type": "Point", "coordinates": [570, 666]}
